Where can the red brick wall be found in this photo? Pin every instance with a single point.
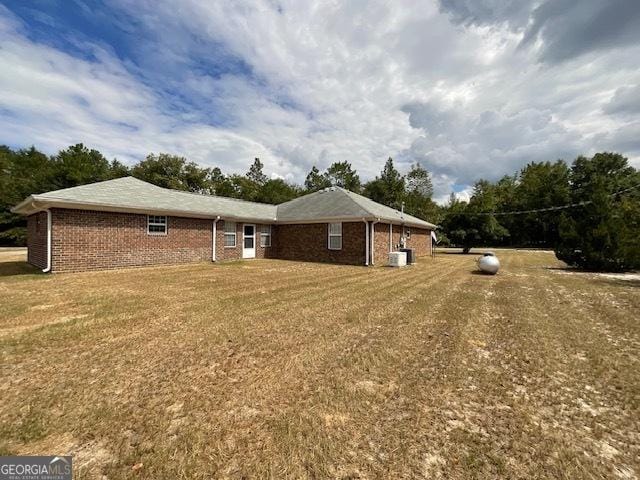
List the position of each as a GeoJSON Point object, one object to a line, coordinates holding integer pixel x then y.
{"type": "Point", "coordinates": [420, 241]}
{"type": "Point", "coordinates": [88, 240]}
{"type": "Point", "coordinates": [309, 242]}
{"type": "Point", "coordinates": [381, 244]}
{"type": "Point", "coordinates": [37, 239]}
{"type": "Point", "coordinates": [231, 253]}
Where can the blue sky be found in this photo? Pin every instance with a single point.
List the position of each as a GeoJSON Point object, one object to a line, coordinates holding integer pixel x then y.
{"type": "Point", "coordinates": [468, 88]}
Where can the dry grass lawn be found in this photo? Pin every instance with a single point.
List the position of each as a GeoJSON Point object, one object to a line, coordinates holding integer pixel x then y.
{"type": "Point", "coordinates": [273, 369]}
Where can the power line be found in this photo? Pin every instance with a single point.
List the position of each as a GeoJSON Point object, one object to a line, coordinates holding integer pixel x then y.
{"type": "Point", "coordinates": [547, 209]}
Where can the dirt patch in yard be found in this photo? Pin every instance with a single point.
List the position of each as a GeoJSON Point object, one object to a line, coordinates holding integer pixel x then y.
{"type": "Point", "coordinates": [628, 277]}
{"type": "Point", "coordinates": [287, 370]}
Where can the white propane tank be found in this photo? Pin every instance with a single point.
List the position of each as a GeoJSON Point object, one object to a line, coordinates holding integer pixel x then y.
{"type": "Point", "coordinates": [489, 263]}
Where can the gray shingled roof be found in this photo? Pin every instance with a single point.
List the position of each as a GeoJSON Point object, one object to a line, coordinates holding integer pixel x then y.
{"type": "Point", "coordinates": [131, 194]}
{"type": "Point", "coordinates": [338, 203]}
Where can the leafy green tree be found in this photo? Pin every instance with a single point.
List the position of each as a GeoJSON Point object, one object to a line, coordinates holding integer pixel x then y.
{"type": "Point", "coordinates": [388, 188]}
{"type": "Point", "coordinates": [117, 169]}
{"type": "Point", "coordinates": [540, 185]}
{"type": "Point", "coordinates": [419, 181]}
{"type": "Point", "coordinates": [220, 184]}
{"type": "Point", "coordinates": [419, 190]}
{"type": "Point", "coordinates": [604, 233]}
{"type": "Point", "coordinates": [276, 191]}
{"type": "Point", "coordinates": [255, 173]}
{"type": "Point", "coordinates": [468, 226]}
{"type": "Point", "coordinates": [22, 173]}
{"type": "Point", "coordinates": [485, 199]}
{"type": "Point", "coordinates": [78, 165]}
{"type": "Point", "coordinates": [29, 171]}
{"type": "Point", "coordinates": [6, 162]}
{"type": "Point", "coordinates": [505, 191]}
{"type": "Point", "coordinates": [172, 171]}
{"type": "Point", "coordinates": [195, 179]}
{"type": "Point", "coordinates": [244, 188]}
{"type": "Point", "coordinates": [316, 181]}
{"type": "Point", "coordinates": [341, 174]}
{"type": "Point", "coordinates": [456, 224]}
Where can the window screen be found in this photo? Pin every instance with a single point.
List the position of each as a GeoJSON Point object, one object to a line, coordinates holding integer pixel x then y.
{"type": "Point", "coordinates": [229, 234]}
{"type": "Point", "coordinates": [335, 236]}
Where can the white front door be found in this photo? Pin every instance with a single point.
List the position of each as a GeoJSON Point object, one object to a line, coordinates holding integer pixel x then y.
{"type": "Point", "coordinates": [248, 241]}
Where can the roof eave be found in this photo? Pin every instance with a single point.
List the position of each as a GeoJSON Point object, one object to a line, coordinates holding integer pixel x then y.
{"type": "Point", "coordinates": [370, 218]}
{"type": "Point", "coordinates": [36, 203]}
{"type": "Point", "coordinates": [27, 206]}
{"type": "Point", "coordinates": [44, 204]}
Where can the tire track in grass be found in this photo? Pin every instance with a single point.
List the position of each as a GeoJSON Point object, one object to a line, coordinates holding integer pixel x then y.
{"type": "Point", "coordinates": [157, 365]}
{"type": "Point", "coordinates": [296, 390]}
{"type": "Point", "coordinates": [517, 335]}
{"type": "Point", "coordinates": [170, 278]}
{"type": "Point", "coordinates": [602, 402]}
{"type": "Point", "coordinates": [537, 371]}
{"type": "Point", "coordinates": [340, 391]}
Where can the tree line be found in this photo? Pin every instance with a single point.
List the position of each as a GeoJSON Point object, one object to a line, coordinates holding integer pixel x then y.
{"type": "Point", "coordinates": [602, 232]}
{"type": "Point", "coordinates": [600, 229]}
{"type": "Point", "coordinates": [28, 171]}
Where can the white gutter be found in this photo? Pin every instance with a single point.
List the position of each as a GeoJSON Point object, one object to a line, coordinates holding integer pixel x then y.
{"type": "Point", "coordinates": [373, 237]}
{"type": "Point", "coordinates": [366, 241]}
{"type": "Point", "coordinates": [213, 241]}
{"type": "Point", "coordinates": [47, 269]}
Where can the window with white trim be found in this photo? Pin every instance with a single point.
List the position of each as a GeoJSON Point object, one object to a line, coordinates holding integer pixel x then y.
{"type": "Point", "coordinates": [335, 236]}
{"type": "Point", "coordinates": [265, 236]}
{"type": "Point", "coordinates": [229, 234]}
{"type": "Point", "coordinates": [156, 224]}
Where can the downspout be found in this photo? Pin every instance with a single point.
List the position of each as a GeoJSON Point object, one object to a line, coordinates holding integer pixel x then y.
{"type": "Point", "coordinates": [390, 237]}
{"type": "Point", "coordinates": [373, 237]}
{"type": "Point", "coordinates": [366, 241]}
{"type": "Point", "coordinates": [47, 269]}
{"type": "Point", "coordinates": [213, 242]}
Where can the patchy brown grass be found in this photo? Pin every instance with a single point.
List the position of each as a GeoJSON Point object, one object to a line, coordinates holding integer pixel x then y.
{"type": "Point", "coordinates": [272, 369]}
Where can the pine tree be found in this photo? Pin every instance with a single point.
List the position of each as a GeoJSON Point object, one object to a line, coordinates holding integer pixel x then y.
{"type": "Point", "coordinates": [255, 173]}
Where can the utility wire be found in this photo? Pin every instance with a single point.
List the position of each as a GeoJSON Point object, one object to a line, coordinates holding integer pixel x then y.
{"type": "Point", "coordinates": [547, 209]}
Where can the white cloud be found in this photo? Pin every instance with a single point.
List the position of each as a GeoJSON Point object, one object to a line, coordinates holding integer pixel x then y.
{"type": "Point", "coordinates": [319, 82]}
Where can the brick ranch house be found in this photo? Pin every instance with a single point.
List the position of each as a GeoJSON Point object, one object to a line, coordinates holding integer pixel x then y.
{"type": "Point", "coordinates": [127, 222]}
